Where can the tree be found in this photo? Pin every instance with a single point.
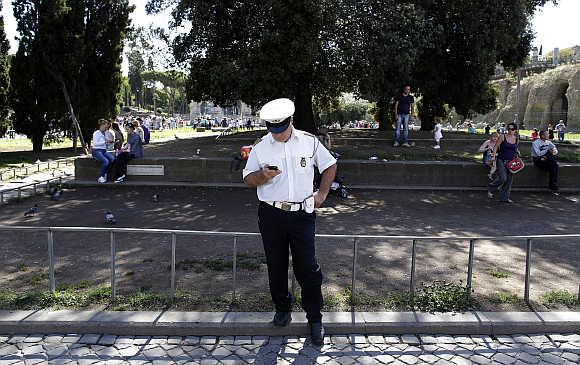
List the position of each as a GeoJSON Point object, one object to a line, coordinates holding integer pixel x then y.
{"type": "Point", "coordinates": [37, 107]}
{"type": "Point", "coordinates": [4, 77]}
{"type": "Point", "coordinates": [257, 50]}
{"type": "Point", "coordinates": [68, 60]}
{"type": "Point", "coordinates": [136, 69]}
{"type": "Point", "coordinates": [470, 38]}
{"type": "Point", "coordinates": [390, 37]}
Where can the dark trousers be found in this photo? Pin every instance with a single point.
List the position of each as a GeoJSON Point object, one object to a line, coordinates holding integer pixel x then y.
{"type": "Point", "coordinates": [551, 165]}
{"type": "Point", "coordinates": [283, 231]}
{"type": "Point", "coordinates": [121, 163]}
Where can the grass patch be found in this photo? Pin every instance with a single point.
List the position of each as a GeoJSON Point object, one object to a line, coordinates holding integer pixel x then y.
{"type": "Point", "coordinates": [37, 278]}
{"type": "Point", "coordinates": [441, 296]}
{"type": "Point", "coordinates": [21, 267]}
{"type": "Point", "coordinates": [559, 297]}
{"type": "Point", "coordinates": [497, 273]}
{"type": "Point", "coordinates": [245, 261]}
{"type": "Point", "coordinates": [504, 298]}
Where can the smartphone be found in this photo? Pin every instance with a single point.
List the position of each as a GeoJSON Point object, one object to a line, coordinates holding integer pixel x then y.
{"type": "Point", "coordinates": [273, 168]}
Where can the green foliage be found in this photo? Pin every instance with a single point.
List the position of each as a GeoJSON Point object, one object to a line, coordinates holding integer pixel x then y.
{"type": "Point", "coordinates": [4, 77]}
{"type": "Point", "coordinates": [497, 273]}
{"type": "Point", "coordinates": [72, 44]}
{"type": "Point", "coordinates": [563, 297]}
{"type": "Point", "coordinates": [342, 110]}
{"type": "Point", "coordinates": [470, 38]}
{"type": "Point", "coordinates": [504, 298]}
{"type": "Point", "coordinates": [441, 296]}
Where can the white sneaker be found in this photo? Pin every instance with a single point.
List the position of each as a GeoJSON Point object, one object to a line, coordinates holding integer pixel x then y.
{"type": "Point", "coordinates": [406, 145]}
{"type": "Point", "coordinates": [396, 144]}
{"type": "Point", "coordinates": [437, 147]}
{"type": "Point", "coordinates": [489, 195]}
{"type": "Point", "coordinates": [102, 180]}
{"type": "Point", "coordinates": [120, 179]}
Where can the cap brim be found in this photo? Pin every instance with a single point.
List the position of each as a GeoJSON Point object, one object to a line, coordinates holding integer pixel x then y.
{"type": "Point", "coordinates": [277, 128]}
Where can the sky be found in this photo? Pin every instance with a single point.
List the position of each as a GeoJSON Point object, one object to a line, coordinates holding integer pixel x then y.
{"type": "Point", "coordinates": [555, 26]}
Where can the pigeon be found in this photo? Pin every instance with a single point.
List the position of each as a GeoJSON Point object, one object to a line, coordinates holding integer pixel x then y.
{"type": "Point", "coordinates": [56, 195]}
{"type": "Point", "coordinates": [110, 218]}
{"type": "Point", "coordinates": [31, 212]}
{"type": "Point", "coordinates": [175, 136]}
{"type": "Point", "coordinates": [155, 198]}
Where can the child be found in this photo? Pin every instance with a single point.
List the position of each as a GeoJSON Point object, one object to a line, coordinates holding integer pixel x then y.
{"type": "Point", "coordinates": [487, 149]}
{"type": "Point", "coordinates": [535, 134]}
{"type": "Point", "coordinates": [437, 133]}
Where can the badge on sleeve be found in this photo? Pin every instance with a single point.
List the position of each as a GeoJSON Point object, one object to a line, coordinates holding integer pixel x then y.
{"type": "Point", "coordinates": [303, 162]}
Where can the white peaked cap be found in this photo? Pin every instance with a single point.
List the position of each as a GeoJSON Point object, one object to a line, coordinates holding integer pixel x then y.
{"type": "Point", "coordinates": [277, 110]}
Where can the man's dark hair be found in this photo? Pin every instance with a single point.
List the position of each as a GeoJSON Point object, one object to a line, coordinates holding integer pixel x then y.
{"type": "Point", "coordinates": [513, 125]}
{"type": "Point", "coordinates": [543, 133]}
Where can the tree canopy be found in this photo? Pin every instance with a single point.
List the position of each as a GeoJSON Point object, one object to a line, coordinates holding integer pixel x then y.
{"type": "Point", "coordinates": [303, 49]}
{"type": "Point", "coordinates": [66, 46]}
{"type": "Point", "coordinates": [4, 77]}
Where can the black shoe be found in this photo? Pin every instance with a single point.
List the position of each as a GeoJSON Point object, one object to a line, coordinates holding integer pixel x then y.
{"type": "Point", "coordinates": [317, 334]}
{"type": "Point", "coordinates": [282, 319]}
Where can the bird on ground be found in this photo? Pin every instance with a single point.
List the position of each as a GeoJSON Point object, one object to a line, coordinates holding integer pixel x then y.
{"type": "Point", "coordinates": [56, 194]}
{"type": "Point", "coordinates": [175, 136]}
{"type": "Point", "coordinates": [155, 198]}
{"type": "Point", "coordinates": [31, 212]}
{"type": "Point", "coordinates": [110, 218]}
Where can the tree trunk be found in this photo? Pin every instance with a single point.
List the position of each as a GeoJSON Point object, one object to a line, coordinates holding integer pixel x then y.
{"type": "Point", "coordinates": [384, 115]}
{"type": "Point", "coordinates": [37, 142]}
{"type": "Point", "coordinates": [303, 117]}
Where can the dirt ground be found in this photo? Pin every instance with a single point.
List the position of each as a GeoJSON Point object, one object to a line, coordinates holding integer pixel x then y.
{"type": "Point", "coordinates": [143, 261]}
{"type": "Point", "coordinates": [356, 144]}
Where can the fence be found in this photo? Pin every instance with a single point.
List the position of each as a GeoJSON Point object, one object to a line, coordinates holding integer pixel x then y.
{"type": "Point", "coordinates": [14, 172]}
{"type": "Point", "coordinates": [19, 189]}
{"type": "Point", "coordinates": [413, 240]}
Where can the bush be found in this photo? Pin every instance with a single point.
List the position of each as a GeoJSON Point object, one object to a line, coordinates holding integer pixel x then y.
{"type": "Point", "coordinates": [559, 297]}
{"type": "Point", "coordinates": [441, 296]}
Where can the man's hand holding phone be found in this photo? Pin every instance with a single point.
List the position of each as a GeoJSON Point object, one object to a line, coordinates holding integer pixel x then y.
{"type": "Point", "coordinates": [270, 172]}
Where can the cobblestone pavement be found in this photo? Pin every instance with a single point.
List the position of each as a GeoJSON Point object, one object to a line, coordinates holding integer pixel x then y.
{"type": "Point", "coordinates": [352, 349]}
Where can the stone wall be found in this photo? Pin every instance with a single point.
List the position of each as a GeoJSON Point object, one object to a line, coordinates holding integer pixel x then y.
{"type": "Point", "coordinates": [542, 99]}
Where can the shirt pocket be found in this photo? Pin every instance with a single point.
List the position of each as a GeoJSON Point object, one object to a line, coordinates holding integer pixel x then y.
{"type": "Point", "coordinates": [302, 164]}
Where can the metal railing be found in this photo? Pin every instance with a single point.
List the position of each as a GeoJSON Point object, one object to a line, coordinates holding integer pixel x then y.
{"type": "Point", "coordinates": [34, 185]}
{"type": "Point", "coordinates": [12, 173]}
{"type": "Point", "coordinates": [173, 234]}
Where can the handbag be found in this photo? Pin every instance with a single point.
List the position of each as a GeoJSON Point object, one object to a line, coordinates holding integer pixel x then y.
{"type": "Point", "coordinates": [515, 165]}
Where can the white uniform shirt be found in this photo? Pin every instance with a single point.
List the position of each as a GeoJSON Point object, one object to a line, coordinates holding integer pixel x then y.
{"type": "Point", "coordinates": [295, 159]}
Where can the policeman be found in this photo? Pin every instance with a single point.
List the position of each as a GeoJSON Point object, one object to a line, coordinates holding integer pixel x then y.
{"type": "Point", "coordinates": [281, 166]}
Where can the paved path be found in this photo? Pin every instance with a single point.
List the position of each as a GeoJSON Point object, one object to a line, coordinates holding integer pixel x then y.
{"type": "Point", "coordinates": [353, 349]}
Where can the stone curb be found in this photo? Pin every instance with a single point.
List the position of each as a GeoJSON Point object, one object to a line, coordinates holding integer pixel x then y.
{"type": "Point", "coordinates": [91, 184]}
{"type": "Point", "coordinates": [161, 323]}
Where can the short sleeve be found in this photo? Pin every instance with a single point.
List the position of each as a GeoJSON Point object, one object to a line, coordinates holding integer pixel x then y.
{"type": "Point", "coordinates": [322, 158]}
{"type": "Point", "coordinates": [252, 165]}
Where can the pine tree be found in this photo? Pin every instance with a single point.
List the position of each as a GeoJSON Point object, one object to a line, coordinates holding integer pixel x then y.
{"type": "Point", "coordinates": [4, 77]}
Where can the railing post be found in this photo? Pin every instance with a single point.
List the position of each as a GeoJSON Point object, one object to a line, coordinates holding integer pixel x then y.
{"type": "Point", "coordinates": [47, 185]}
{"type": "Point", "coordinates": [113, 267]}
{"type": "Point", "coordinates": [528, 269]}
{"type": "Point", "coordinates": [19, 193]}
{"type": "Point", "coordinates": [34, 188]}
{"type": "Point", "coordinates": [235, 268]}
{"type": "Point", "coordinates": [413, 259]}
{"type": "Point", "coordinates": [173, 248]}
{"type": "Point", "coordinates": [51, 261]}
{"type": "Point", "coordinates": [353, 276]}
{"type": "Point", "coordinates": [470, 266]}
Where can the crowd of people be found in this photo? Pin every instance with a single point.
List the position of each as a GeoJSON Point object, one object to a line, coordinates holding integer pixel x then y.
{"type": "Point", "coordinates": [233, 123]}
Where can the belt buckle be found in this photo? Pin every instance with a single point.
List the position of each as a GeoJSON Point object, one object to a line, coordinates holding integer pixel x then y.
{"type": "Point", "coordinates": [285, 206]}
